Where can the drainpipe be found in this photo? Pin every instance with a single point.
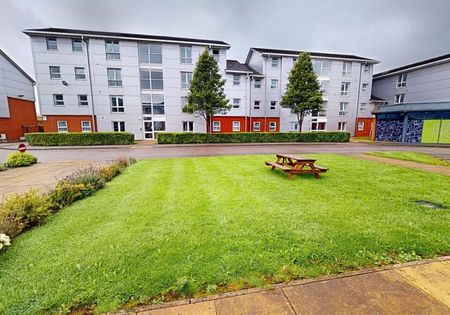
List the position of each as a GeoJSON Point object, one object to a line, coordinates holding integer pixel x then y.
{"type": "Point", "coordinates": [250, 78]}
{"type": "Point", "coordinates": [265, 93]}
{"type": "Point", "coordinates": [94, 123]}
{"type": "Point", "coordinates": [359, 93]}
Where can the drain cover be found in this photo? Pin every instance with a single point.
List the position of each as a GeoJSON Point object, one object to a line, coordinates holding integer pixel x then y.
{"type": "Point", "coordinates": [428, 204]}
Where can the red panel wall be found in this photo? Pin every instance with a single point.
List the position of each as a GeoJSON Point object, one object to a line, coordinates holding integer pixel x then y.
{"type": "Point", "coordinates": [368, 127]}
{"type": "Point", "coordinates": [226, 123]}
{"type": "Point", "coordinates": [73, 122]}
{"type": "Point", "coordinates": [22, 115]}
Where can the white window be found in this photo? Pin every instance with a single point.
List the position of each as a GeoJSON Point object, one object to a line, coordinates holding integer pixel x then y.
{"type": "Point", "coordinates": [186, 78]}
{"type": "Point", "coordinates": [363, 107]}
{"type": "Point", "coordinates": [62, 126]}
{"type": "Point", "coordinates": [360, 125]}
{"type": "Point", "coordinates": [345, 88]}
{"type": "Point", "coordinates": [52, 43]}
{"type": "Point", "coordinates": [151, 79]}
{"type": "Point", "coordinates": [186, 54]}
{"type": "Point", "coordinates": [236, 79]}
{"type": "Point", "coordinates": [79, 73]}
{"type": "Point", "coordinates": [216, 54]}
{"type": "Point", "coordinates": [118, 126]}
{"type": "Point", "coordinates": [83, 100]}
{"type": "Point", "coordinates": [236, 126]}
{"type": "Point", "coordinates": [58, 99]}
{"type": "Point", "coordinates": [216, 125]}
{"type": "Point", "coordinates": [272, 126]}
{"type": "Point", "coordinates": [401, 80]}
{"type": "Point", "coordinates": [257, 83]}
{"type": "Point", "coordinates": [55, 72]}
{"type": "Point", "coordinates": [273, 83]}
{"type": "Point", "coordinates": [183, 101]}
{"type": "Point", "coordinates": [399, 98]}
{"type": "Point", "coordinates": [114, 77]}
{"type": "Point", "coordinates": [112, 50]}
{"type": "Point", "coordinates": [293, 126]}
{"type": "Point", "coordinates": [275, 62]}
{"type": "Point", "coordinates": [85, 126]}
{"type": "Point", "coordinates": [256, 105]}
{"type": "Point", "coordinates": [318, 126]}
{"type": "Point", "coordinates": [365, 87]}
{"type": "Point", "coordinates": [256, 126]}
{"type": "Point", "coordinates": [321, 67]}
{"type": "Point", "coordinates": [188, 126]}
{"type": "Point", "coordinates": [150, 53]}
{"type": "Point", "coordinates": [347, 68]}
{"type": "Point", "coordinates": [116, 103]}
{"type": "Point", "coordinates": [236, 102]}
{"type": "Point", "coordinates": [77, 45]}
{"type": "Point", "coordinates": [273, 105]}
{"type": "Point", "coordinates": [343, 109]}
{"type": "Point", "coordinates": [342, 126]}
{"type": "Point", "coordinates": [367, 68]}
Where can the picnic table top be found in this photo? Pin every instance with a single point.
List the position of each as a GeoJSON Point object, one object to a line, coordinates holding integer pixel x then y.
{"type": "Point", "coordinates": [297, 158]}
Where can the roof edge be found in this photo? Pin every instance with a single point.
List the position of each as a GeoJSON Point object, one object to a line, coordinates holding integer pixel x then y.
{"type": "Point", "coordinates": [17, 67]}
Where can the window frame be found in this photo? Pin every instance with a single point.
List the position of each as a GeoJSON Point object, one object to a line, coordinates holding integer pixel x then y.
{"type": "Point", "coordinates": [56, 101]}
{"type": "Point", "coordinates": [254, 128]}
{"type": "Point", "coordinates": [52, 73]}
{"type": "Point", "coordinates": [399, 98]}
{"type": "Point", "coordinates": [77, 76]}
{"type": "Point", "coordinates": [117, 80]}
{"type": "Point", "coordinates": [185, 54]}
{"type": "Point", "coordinates": [111, 55]}
{"type": "Point", "coordinates": [273, 106]}
{"type": "Point", "coordinates": [234, 128]}
{"type": "Point", "coordinates": [259, 105]}
{"type": "Point", "coordinates": [83, 128]}
{"type": "Point", "coordinates": [187, 74]}
{"type": "Point", "coordinates": [238, 103]}
{"type": "Point", "coordinates": [259, 85]}
{"type": "Point", "coordinates": [80, 102]}
{"type": "Point", "coordinates": [115, 106]}
{"type": "Point", "coordinates": [275, 62]}
{"type": "Point", "coordinates": [58, 127]}
{"type": "Point", "coordinates": [366, 68]}
{"type": "Point", "coordinates": [345, 88]}
{"type": "Point", "coordinates": [188, 123]}
{"type": "Point", "coordinates": [273, 84]}
{"type": "Point", "coordinates": [347, 68]}
{"type": "Point", "coordinates": [216, 126]}
{"type": "Point", "coordinates": [238, 81]}
{"type": "Point", "coordinates": [360, 126]}
{"type": "Point", "coordinates": [362, 108]}
{"type": "Point", "coordinates": [343, 110]}
{"type": "Point", "coordinates": [48, 40]}
{"type": "Point", "coordinates": [365, 87]}
{"type": "Point", "coordinates": [342, 124]}
{"type": "Point", "coordinates": [402, 79]}
{"type": "Point", "coordinates": [73, 46]}
{"type": "Point", "coordinates": [120, 124]}
{"type": "Point", "coordinates": [272, 126]}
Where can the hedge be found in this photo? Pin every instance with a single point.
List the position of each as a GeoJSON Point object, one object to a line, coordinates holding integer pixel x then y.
{"type": "Point", "coordinates": [255, 137]}
{"type": "Point", "coordinates": [79, 138]}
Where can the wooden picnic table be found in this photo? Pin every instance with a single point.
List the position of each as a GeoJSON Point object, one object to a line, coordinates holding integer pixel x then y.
{"type": "Point", "coordinates": [294, 165]}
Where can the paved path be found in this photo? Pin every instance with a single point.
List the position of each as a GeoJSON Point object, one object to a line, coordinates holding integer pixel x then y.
{"type": "Point", "coordinates": [414, 288]}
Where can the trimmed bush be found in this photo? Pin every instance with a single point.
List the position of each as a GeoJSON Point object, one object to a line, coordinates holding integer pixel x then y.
{"type": "Point", "coordinates": [255, 137]}
{"type": "Point", "coordinates": [18, 159]}
{"type": "Point", "coordinates": [79, 138]}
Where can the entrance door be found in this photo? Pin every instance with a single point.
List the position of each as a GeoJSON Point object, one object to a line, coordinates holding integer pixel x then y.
{"type": "Point", "coordinates": [148, 129]}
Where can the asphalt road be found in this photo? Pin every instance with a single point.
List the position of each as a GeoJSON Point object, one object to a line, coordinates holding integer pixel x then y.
{"type": "Point", "coordinates": [155, 151]}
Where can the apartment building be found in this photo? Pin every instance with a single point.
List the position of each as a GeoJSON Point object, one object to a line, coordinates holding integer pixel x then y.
{"type": "Point", "coordinates": [417, 102]}
{"type": "Point", "coordinates": [89, 80]}
{"type": "Point", "coordinates": [17, 109]}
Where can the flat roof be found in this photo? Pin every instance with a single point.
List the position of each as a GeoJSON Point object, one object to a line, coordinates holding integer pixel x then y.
{"type": "Point", "coordinates": [130, 36]}
{"type": "Point", "coordinates": [414, 107]}
{"type": "Point", "coordinates": [17, 66]}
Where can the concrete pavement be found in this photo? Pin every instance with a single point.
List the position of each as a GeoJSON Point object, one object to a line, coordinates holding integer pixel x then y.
{"type": "Point", "coordinates": [412, 288]}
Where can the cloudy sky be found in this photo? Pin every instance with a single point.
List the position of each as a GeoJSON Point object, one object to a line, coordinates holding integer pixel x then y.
{"type": "Point", "coordinates": [396, 32]}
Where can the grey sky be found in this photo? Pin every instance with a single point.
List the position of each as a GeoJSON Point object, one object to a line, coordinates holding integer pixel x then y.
{"type": "Point", "coordinates": [395, 32]}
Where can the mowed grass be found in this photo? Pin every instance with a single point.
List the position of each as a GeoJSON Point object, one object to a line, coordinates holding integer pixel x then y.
{"type": "Point", "coordinates": [178, 227]}
{"type": "Point", "coordinates": [411, 156]}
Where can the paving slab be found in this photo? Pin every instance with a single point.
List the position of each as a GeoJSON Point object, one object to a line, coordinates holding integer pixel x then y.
{"type": "Point", "coordinates": [203, 308]}
{"type": "Point", "coordinates": [263, 303]}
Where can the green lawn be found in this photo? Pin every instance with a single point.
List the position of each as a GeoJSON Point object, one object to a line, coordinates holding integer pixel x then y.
{"type": "Point", "coordinates": [177, 226]}
{"type": "Point", "coordinates": [411, 156]}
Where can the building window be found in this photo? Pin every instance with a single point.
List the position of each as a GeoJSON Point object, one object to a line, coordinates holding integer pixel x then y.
{"type": "Point", "coordinates": [347, 68]}
{"type": "Point", "coordinates": [58, 99]}
{"type": "Point", "coordinates": [365, 87]}
{"type": "Point", "coordinates": [216, 54]}
{"type": "Point", "coordinates": [52, 43]}
{"type": "Point", "coordinates": [360, 125]}
{"type": "Point", "coordinates": [236, 80]}
{"type": "Point", "coordinates": [273, 83]}
{"type": "Point", "coordinates": [216, 125]}
{"type": "Point", "coordinates": [318, 126]}
{"type": "Point", "coordinates": [152, 103]}
{"type": "Point", "coordinates": [114, 77]}
{"type": "Point", "coordinates": [345, 88]}
{"type": "Point", "coordinates": [55, 72]}
{"type": "Point", "coordinates": [363, 107]}
{"type": "Point", "coordinates": [273, 105]}
{"type": "Point", "coordinates": [321, 67]}
{"type": "Point", "coordinates": [399, 98]}
{"type": "Point", "coordinates": [324, 87]}
{"type": "Point", "coordinates": [236, 103]}
{"type": "Point", "coordinates": [62, 126]}
{"type": "Point", "coordinates": [146, 100]}
{"type": "Point", "coordinates": [401, 80]}
{"type": "Point", "coordinates": [256, 105]}
{"type": "Point", "coordinates": [86, 126]}
{"type": "Point", "coordinates": [236, 126]}
{"type": "Point", "coordinates": [188, 126]}
{"type": "Point", "coordinates": [151, 79]}
{"type": "Point", "coordinates": [342, 126]}
{"type": "Point", "coordinates": [79, 73]}
{"type": "Point", "coordinates": [150, 53]}
{"type": "Point", "coordinates": [112, 50]}
{"type": "Point", "coordinates": [118, 126]}
{"type": "Point", "coordinates": [367, 68]}
{"type": "Point", "coordinates": [185, 54]}
{"type": "Point", "coordinates": [256, 126]}
{"type": "Point", "coordinates": [186, 78]}
{"type": "Point", "coordinates": [183, 101]}
{"type": "Point", "coordinates": [275, 62]}
{"type": "Point", "coordinates": [257, 83]}
{"type": "Point", "coordinates": [77, 45]}
{"type": "Point", "coordinates": [272, 126]}
{"type": "Point", "coordinates": [343, 109]}
{"type": "Point", "coordinates": [117, 104]}
{"type": "Point", "coordinates": [293, 126]}
{"type": "Point", "coordinates": [83, 100]}
{"type": "Point", "coordinates": [159, 126]}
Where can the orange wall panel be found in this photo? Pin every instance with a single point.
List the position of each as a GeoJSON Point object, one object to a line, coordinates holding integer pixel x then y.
{"type": "Point", "coordinates": [73, 122]}
{"type": "Point", "coordinates": [22, 115]}
{"type": "Point", "coordinates": [368, 127]}
{"type": "Point", "coordinates": [226, 123]}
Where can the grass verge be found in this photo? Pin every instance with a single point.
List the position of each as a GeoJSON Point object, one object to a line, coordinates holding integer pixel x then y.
{"type": "Point", "coordinates": [410, 156]}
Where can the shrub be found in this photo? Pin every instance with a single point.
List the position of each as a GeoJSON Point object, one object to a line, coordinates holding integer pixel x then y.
{"type": "Point", "coordinates": [79, 138]}
{"type": "Point", "coordinates": [248, 137]}
{"type": "Point", "coordinates": [18, 159]}
{"type": "Point", "coordinates": [4, 241]}
{"type": "Point", "coordinates": [20, 212]}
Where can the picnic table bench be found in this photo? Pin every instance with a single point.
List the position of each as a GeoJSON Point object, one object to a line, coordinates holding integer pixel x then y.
{"type": "Point", "coordinates": [294, 165]}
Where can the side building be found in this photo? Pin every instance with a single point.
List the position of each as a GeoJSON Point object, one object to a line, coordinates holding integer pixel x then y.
{"type": "Point", "coordinates": [417, 102]}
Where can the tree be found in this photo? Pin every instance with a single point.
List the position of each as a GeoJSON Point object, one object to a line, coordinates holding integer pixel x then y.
{"type": "Point", "coordinates": [303, 93]}
{"type": "Point", "coordinates": [206, 95]}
